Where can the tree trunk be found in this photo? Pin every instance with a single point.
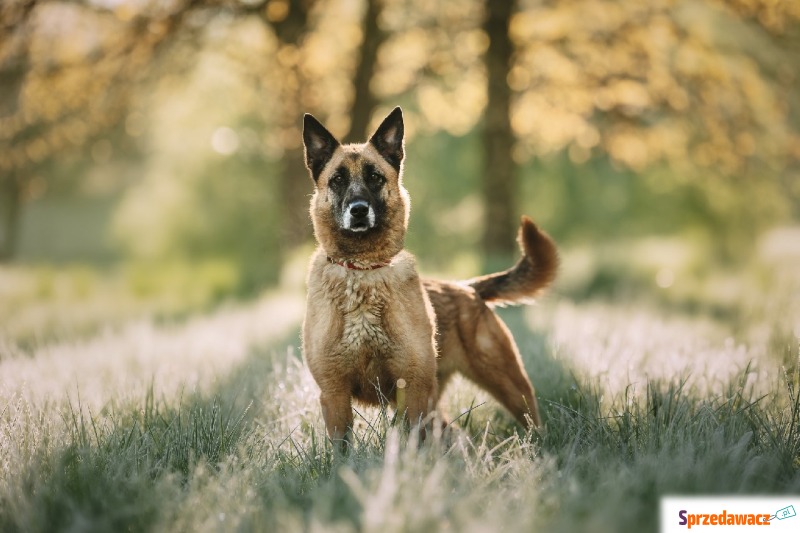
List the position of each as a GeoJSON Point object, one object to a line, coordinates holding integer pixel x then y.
{"type": "Point", "coordinates": [291, 29]}
{"type": "Point", "coordinates": [10, 200]}
{"type": "Point", "coordinates": [364, 101]}
{"type": "Point", "coordinates": [500, 171]}
{"type": "Point", "coordinates": [296, 189]}
{"type": "Point", "coordinates": [14, 69]}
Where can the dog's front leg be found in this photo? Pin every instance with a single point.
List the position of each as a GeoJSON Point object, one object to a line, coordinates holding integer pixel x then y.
{"type": "Point", "coordinates": [337, 411]}
{"type": "Point", "coordinates": [421, 399]}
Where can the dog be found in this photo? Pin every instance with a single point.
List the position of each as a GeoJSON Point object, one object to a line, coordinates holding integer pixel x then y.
{"type": "Point", "coordinates": [374, 330]}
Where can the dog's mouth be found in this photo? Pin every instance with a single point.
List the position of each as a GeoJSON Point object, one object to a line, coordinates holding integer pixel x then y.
{"type": "Point", "coordinates": [358, 228]}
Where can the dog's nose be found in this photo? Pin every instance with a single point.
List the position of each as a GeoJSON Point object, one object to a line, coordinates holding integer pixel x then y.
{"type": "Point", "coordinates": [359, 209]}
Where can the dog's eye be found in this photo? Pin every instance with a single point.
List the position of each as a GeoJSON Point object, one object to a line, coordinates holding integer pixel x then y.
{"type": "Point", "coordinates": [375, 178]}
{"type": "Point", "coordinates": [336, 179]}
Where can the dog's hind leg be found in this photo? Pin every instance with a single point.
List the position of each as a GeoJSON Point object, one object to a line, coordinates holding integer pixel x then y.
{"type": "Point", "coordinates": [495, 364]}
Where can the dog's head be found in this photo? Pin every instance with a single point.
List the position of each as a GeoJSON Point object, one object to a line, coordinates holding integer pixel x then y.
{"type": "Point", "coordinates": [360, 207]}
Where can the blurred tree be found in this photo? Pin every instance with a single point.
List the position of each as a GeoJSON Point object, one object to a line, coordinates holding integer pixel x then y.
{"type": "Point", "coordinates": [290, 23]}
{"type": "Point", "coordinates": [686, 92]}
{"type": "Point", "coordinates": [301, 91]}
{"type": "Point", "coordinates": [781, 21]}
{"type": "Point", "coordinates": [90, 85]}
{"type": "Point", "coordinates": [499, 183]}
{"type": "Point", "coordinates": [364, 100]}
{"type": "Point", "coordinates": [696, 87]}
{"type": "Point", "coordinates": [669, 92]}
{"type": "Point", "coordinates": [14, 37]}
{"type": "Point", "coordinates": [57, 97]}
{"type": "Point", "coordinates": [686, 83]}
{"type": "Point", "coordinates": [274, 60]}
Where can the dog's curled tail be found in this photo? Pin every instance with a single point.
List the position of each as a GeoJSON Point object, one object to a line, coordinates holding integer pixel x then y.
{"type": "Point", "coordinates": [535, 270]}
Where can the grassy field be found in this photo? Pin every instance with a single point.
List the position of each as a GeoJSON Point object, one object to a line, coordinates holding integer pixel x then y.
{"type": "Point", "coordinates": [209, 421]}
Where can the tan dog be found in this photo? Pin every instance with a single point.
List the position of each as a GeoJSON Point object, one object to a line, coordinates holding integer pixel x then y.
{"type": "Point", "coordinates": [371, 321]}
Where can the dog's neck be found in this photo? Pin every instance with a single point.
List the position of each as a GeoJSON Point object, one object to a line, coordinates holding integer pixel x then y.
{"type": "Point", "coordinates": [364, 251]}
{"type": "Point", "coordinates": [351, 264]}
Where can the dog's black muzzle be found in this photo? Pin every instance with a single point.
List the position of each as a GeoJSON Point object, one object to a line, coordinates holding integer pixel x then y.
{"type": "Point", "coordinates": [358, 215]}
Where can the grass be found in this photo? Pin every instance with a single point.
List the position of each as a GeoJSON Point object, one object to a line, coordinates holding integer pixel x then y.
{"type": "Point", "coordinates": [212, 423]}
{"type": "Point", "coordinates": [40, 304]}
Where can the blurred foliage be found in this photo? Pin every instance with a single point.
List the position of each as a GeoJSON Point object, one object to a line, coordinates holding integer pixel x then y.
{"type": "Point", "coordinates": [631, 119]}
{"type": "Point", "coordinates": [688, 83]}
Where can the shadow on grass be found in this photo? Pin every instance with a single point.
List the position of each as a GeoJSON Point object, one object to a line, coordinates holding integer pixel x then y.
{"type": "Point", "coordinates": [553, 379]}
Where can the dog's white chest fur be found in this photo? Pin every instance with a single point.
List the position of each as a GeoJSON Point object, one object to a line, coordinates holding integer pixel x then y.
{"type": "Point", "coordinates": [362, 308]}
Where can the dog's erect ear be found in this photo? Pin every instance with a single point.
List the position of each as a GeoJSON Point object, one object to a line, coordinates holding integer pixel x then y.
{"type": "Point", "coordinates": [388, 138]}
{"type": "Point", "coordinates": [319, 145]}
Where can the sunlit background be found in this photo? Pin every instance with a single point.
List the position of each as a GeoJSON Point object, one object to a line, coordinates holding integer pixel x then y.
{"type": "Point", "coordinates": [154, 235]}
{"type": "Point", "coordinates": [151, 162]}
{"type": "Point", "coordinates": [146, 138]}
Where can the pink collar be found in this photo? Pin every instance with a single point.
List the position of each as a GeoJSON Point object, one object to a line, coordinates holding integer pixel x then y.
{"type": "Point", "coordinates": [350, 265]}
